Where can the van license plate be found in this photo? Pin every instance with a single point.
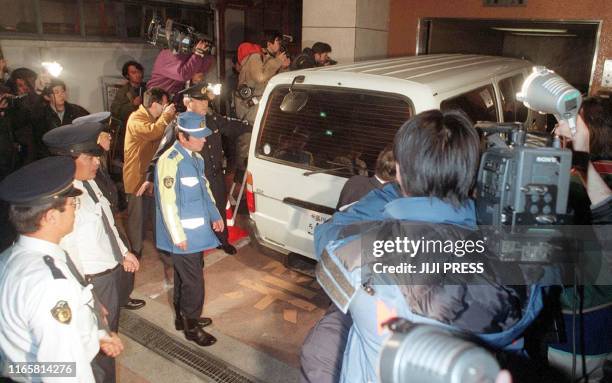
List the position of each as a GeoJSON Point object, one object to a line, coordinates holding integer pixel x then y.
{"type": "Point", "coordinates": [313, 221]}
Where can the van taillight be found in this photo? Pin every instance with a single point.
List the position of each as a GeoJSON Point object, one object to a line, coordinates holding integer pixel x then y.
{"type": "Point", "coordinates": [250, 197]}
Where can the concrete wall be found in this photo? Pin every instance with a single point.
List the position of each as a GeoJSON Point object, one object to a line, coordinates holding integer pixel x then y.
{"type": "Point", "coordinates": [85, 63]}
{"type": "Point", "coordinates": [356, 29]}
{"type": "Point", "coordinates": [404, 18]}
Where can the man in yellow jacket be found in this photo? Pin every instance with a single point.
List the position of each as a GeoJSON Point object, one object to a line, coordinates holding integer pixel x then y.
{"type": "Point", "coordinates": [144, 130]}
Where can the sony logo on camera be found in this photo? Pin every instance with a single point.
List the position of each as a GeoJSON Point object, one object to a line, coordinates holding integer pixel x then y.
{"type": "Point", "coordinates": [549, 160]}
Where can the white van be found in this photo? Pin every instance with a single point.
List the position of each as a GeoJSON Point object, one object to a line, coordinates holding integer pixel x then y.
{"type": "Point", "coordinates": [299, 161]}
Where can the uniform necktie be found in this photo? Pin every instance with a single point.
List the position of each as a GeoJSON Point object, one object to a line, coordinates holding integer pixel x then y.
{"type": "Point", "coordinates": [107, 226]}
{"type": "Point", "coordinates": [196, 163]}
{"type": "Point", "coordinates": [102, 324]}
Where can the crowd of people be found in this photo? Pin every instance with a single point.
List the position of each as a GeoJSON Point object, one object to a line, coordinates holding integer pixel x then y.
{"type": "Point", "coordinates": [70, 270]}
{"type": "Point", "coordinates": [61, 197]}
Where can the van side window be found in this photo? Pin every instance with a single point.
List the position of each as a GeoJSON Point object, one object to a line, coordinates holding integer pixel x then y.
{"type": "Point", "coordinates": [513, 110]}
{"type": "Point", "coordinates": [341, 131]}
{"type": "Point", "coordinates": [478, 104]}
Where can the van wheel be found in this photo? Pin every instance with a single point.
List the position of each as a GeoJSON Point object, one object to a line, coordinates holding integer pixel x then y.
{"type": "Point", "coordinates": [301, 264]}
{"type": "Point", "coordinates": [276, 255]}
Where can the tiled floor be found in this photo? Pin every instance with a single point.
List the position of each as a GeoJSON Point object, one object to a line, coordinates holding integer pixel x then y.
{"type": "Point", "coordinates": [261, 313]}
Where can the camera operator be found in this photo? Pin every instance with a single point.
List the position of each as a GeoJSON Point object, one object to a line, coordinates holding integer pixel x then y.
{"type": "Point", "coordinates": [171, 71]}
{"type": "Point", "coordinates": [596, 299]}
{"type": "Point", "coordinates": [313, 57]}
{"type": "Point", "coordinates": [437, 156]}
{"type": "Point", "coordinates": [258, 63]}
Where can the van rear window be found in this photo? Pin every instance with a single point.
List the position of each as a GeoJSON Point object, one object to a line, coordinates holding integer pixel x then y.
{"type": "Point", "coordinates": [338, 131]}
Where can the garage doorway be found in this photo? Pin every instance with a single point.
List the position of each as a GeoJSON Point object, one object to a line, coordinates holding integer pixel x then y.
{"type": "Point", "coordinates": [567, 47]}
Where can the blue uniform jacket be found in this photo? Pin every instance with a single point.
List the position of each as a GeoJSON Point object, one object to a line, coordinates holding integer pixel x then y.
{"type": "Point", "coordinates": [185, 208]}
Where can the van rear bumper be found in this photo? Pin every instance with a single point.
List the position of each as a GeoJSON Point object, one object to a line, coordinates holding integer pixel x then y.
{"type": "Point", "coordinates": [257, 237]}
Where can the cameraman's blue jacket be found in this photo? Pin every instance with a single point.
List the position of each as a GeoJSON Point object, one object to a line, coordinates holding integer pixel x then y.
{"type": "Point", "coordinates": [341, 277]}
{"type": "Point", "coordinates": [369, 208]}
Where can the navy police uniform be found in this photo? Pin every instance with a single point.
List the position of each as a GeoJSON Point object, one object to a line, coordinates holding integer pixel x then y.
{"type": "Point", "coordinates": [46, 315]}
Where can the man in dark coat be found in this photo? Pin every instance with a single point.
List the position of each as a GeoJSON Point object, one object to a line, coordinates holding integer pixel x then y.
{"type": "Point", "coordinates": [56, 113]}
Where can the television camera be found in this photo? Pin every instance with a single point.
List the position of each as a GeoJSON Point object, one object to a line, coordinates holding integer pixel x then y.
{"type": "Point", "coordinates": [523, 184]}
{"type": "Point", "coordinates": [523, 190]}
{"type": "Point", "coordinates": [178, 37]}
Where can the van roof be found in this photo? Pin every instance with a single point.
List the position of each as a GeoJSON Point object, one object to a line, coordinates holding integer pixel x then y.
{"type": "Point", "coordinates": [438, 71]}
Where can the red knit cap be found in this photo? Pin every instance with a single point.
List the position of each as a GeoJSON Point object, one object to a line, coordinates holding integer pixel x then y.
{"type": "Point", "coordinates": [246, 49]}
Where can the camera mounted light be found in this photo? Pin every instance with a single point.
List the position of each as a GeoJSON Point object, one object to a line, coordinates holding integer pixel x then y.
{"type": "Point", "coordinates": [430, 354]}
{"type": "Point", "coordinates": [180, 38]}
{"type": "Point", "coordinates": [214, 89]}
{"type": "Point", "coordinates": [53, 68]}
{"type": "Point", "coordinates": [546, 92]}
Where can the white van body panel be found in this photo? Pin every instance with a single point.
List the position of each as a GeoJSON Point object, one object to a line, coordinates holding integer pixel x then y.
{"type": "Point", "coordinates": [425, 80]}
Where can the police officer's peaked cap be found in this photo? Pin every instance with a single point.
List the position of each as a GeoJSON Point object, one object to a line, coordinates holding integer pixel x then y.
{"type": "Point", "coordinates": [198, 91]}
{"type": "Point", "coordinates": [194, 124]}
{"type": "Point", "coordinates": [73, 139]}
{"type": "Point", "coordinates": [101, 117]}
{"type": "Point", "coordinates": [40, 182]}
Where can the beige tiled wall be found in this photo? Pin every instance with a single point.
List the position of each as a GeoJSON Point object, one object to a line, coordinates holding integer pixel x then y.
{"type": "Point", "coordinates": [370, 44]}
{"type": "Point", "coordinates": [356, 29]}
{"type": "Point", "coordinates": [342, 41]}
{"type": "Point", "coordinates": [329, 13]}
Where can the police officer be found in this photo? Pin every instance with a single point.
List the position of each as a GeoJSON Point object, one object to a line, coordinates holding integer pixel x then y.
{"type": "Point", "coordinates": [223, 129]}
{"type": "Point", "coordinates": [94, 245]}
{"type": "Point", "coordinates": [103, 178]}
{"type": "Point", "coordinates": [186, 216]}
{"type": "Point", "coordinates": [46, 313]}
{"type": "Point", "coordinates": [196, 99]}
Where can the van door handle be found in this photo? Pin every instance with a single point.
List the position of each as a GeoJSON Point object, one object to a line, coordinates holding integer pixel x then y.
{"type": "Point", "coordinates": [309, 205]}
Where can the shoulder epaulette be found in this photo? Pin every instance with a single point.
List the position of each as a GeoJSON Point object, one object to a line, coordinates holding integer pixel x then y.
{"type": "Point", "coordinates": [173, 154]}
{"type": "Point", "coordinates": [236, 119]}
{"type": "Point", "coordinates": [57, 273]}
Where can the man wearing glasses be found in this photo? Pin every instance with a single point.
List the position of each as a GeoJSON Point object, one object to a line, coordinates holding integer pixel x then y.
{"type": "Point", "coordinates": [95, 246]}
{"type": "Point", "coordinates": [47, 311]}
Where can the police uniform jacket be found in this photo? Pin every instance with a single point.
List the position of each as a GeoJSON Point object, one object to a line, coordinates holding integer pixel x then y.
{"type": "Point", "coordinates": [223, 128]}
{"type": "Point", "coordinates": [45, 314]}
{"type": "Point", "coordinates": [89, 245]}
{"type": "Point", "coordinates": [185, 208]}
{"type": "Point", "coordinates": [489, 311]}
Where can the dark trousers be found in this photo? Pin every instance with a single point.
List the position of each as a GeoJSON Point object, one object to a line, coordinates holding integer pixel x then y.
{"type": "Point", "coordinates": [217, 187]}
{"type": "Point", "coordinates": [323, 348]}
{"type": "Point", "coordinates": [106, 288]}
{"type": "Point", "coordinates": [141, 212]}
{"type": "Point", "coordinates": [188, 284]}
